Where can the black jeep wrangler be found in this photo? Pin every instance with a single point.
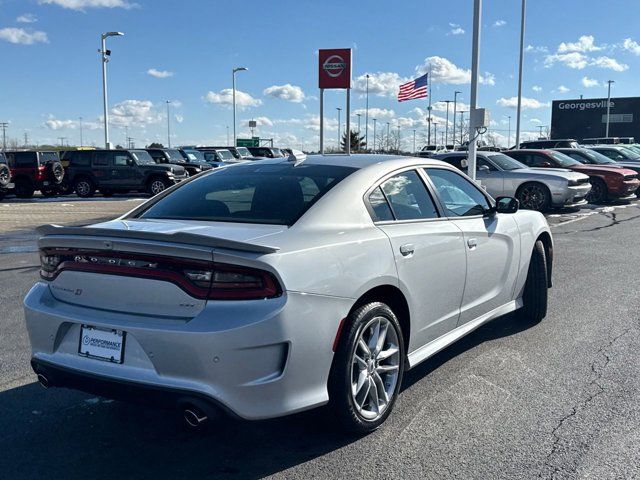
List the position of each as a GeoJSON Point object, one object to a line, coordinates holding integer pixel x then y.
{"type": "Point", "coordinates": [33, 171]}
{"type": "Point", "coordinates": [117, 171]}
{"type": "Point", "coordinates": [173, 156]}
{"type": "Point", "coordinates": [5, 176]}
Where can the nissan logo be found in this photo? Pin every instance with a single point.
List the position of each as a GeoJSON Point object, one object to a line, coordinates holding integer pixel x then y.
{"type": "Point", "coordinates": [334, 66]}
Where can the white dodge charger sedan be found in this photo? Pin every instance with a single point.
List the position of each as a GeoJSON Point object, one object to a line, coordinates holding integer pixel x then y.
{"type": "Point", "coordinates": [271, 287]}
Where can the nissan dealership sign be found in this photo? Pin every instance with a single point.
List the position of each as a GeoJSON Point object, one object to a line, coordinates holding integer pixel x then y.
{"type": "Point", "coordinates": [334, 68]}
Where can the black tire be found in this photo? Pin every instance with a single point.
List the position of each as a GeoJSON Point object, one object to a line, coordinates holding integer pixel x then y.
{"type": "Point", "coordinates": [155, 185]}
{"type": "Point", "coordinates": [536, 288]}
{"type": "Point", "coordinates": [65, 188]}
{"type": "Point", "coordinates": [599, 192]}
{"type": "Point", "coordinates": [534, 196]}
{"type": "Point", "coordinates": [84, 187]}
{"type": "Point", "coordinates": [5, 175]}
{"type": "Point", "coordinates": [24, 188]}
{"type": "Point", "coordinates": [49, 191]}
{"type": "Point", "coordinates": [55, 172]}
{"type": "Point", "coordinates": [340, 379]}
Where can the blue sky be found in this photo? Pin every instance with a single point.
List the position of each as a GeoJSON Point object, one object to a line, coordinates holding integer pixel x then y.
{"type": "Point", "coordinates": [185, 51]}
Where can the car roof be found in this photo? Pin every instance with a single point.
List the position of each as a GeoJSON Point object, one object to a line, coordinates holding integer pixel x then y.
{"type": "Point", "coordinates": [361, 161]}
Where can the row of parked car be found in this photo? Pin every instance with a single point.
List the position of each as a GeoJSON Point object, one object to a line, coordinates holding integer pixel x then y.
{"type": "Point", "coordinates": [84, 172]}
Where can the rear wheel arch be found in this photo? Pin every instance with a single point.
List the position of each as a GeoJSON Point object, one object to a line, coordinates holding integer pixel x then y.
{"type": "Point", "coordinates": [393, 297]}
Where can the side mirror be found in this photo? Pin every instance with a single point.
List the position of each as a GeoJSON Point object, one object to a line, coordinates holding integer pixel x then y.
{"type": "Point", "coordinates": [546, 164]}
{"type": "Point", "coordinates": [482, 168]}
{"type": "Point", "coordinates": [130, 161]}
{"type": "Point", "coordinates": [507, 205]}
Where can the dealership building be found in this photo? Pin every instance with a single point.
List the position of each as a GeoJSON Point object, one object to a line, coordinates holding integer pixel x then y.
{"type": "Point", "coordinates": [587, 118]}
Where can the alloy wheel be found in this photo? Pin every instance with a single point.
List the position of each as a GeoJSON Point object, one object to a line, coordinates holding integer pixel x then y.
{"type": "Point", "coordinates": [375, 368]}
{"type": "Point", "coordinates": [532, 197]}
{"type": "Point", "coordinates": [157, 186]}
{"type": "Point", "coordinates": [83, 188]}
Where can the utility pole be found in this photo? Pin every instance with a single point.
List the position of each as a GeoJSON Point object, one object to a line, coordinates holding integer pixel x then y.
{"type": "Point", "coordinates": [609, 82]}
{"type": "Point", "coordinates": [446, 125]}
{"type": "Point", "coordinates": [541, 127]}
{"type": "Point", "coordinates": [4, 126]}
{"type": "Point", "coordinates": [80, 119]}
{"type": "Point", "coordinates": [475, 74]}
{"type": "Point", "coordinates": [455, 106]}
{"type": "Point", "coordinates": [26, 139]}
{"type": "Point", "coordinates": [388, 137]}
{"type": "Point", "coordinates": [519, 110]}
{"type": "Point", "coordinates": [105, 103]}
{"type": "Point", "coordinates": [366, 119]}
{"type": "Point", "coordinates": [168, 125]}
{"type": "Point", "coordinates": [235, 70]}
{"type": "Point", "coordinates": [62, 139]}
{"type": "Point", "coordinates": [429, 108]}
{"type": "Point", "coordinates": [358, 115]}
{"type": "Point", "coordinates": [228, 141]}
{"type": "Point", "coordinates": [374, 134]}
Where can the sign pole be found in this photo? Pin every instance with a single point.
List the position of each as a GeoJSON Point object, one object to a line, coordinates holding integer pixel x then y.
{"type": "Point", "coordinates": [322, 121]}
{"type": "Point", "coordinates": [348, 137]}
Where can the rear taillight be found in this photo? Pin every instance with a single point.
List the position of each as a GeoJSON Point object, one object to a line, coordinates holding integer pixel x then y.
{"type": "Point", "coordinates": [203, 280]}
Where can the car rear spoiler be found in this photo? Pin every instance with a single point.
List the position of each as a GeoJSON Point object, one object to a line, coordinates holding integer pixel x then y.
{"type": "Point", "coordinates": [177, 237]}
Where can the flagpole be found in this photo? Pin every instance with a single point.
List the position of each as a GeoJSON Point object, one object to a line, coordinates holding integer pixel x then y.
{"type": "Point", "coordinates": [429, 107]}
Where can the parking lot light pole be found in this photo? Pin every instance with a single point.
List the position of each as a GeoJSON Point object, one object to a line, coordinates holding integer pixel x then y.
{"type": "Point", "coordinates": [374, 134]}
{"type": "Point", "coordinates": [236, 69]}
{"type": "Point", "coordinates": [609, 82]}
{"type": "Point", "coordinates": [366, 119]}
{"type": "Point", "coordinates": [339, 110]}
{"type": "Point", "coordinates": [446, 125]}
{"type": "Point", "coordinates": [168, 125]}
{"type": "Point", "coordinates": [455, 105]}
{"type": "Point", "coordinates": [105, 58]}
{"type": "Point", "coordinates": [519, 109]}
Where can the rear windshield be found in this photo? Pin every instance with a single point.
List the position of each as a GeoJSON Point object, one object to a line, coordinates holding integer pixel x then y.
{"type": "Point", "coordinates": [244, 152]}
{"type": "Point", "coordinates": [505, 162]}
{"type": "Point", "coordinates": [564, 160]}
{"type": "Point", "coordinates": [49, 157]}
{"type": "Point", "coordinates": [249, 193]}
{"type": "Point", "coordinates": [142, 157]}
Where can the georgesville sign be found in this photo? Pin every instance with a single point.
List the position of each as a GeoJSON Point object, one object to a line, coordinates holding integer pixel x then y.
{"type": "Point", "coordinates": [334, 68]}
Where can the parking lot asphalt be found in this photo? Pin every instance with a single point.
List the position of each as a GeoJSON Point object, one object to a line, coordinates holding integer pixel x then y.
{"type": "Point", "coordinates": [559, 399]}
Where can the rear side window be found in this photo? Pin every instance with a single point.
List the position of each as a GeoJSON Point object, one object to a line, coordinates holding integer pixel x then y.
{"type": "Point", "coordinates": [381, 210]}
{"type": "Point", "coordinates": [101, 159]}
{"type": "Point", "coordinates": [408, 197]}
{"type": "Point", "coordinates": [272, 194]}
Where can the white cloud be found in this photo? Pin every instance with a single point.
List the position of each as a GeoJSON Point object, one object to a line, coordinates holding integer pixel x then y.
{"type": "Point", "coordinates": [260, 121]}
{"type": "Point", "coordinates": [54, 124]}
{"type": "Point", "coordinates": [291, 93]}
{"type": "Point", "coordinates": [445, 71]}
{"type": "Point", "coordinates": [135, 112]}
{"type": "Point", "coordinates": [379, 113]}
{"type": "Point", "coordinates": [84, 4]}
{"type": "Point", "coordinates": [527, 103]}
{"type": "Point", "coordinates": [22, 36]}
{"type": "Point", "coordinates": [590, 82]}
{"type": "Point", "coordinates": [179, 118]}
{"type": "Point", "coordinates": [225, 97]}
{"type": "Point", "coordinates": [631, 46]}
{"type": "Point", "coordinates": [313, 123]}
{"type": "Point", "coordinates": [383, 84]}
{"type": "Point", "coordinates": [456, 29]}
{"type": "Point", "coordinates": [499, 23]}
{"type": "Point", "coordinates": [536, 88]}
{"type": "Point", "coordinates": [442, 107]}
{"type": "Point", "coordinates": [27, 18]}
{"type": "Point", "coordinates": [585, 43]}
{"type": "Point", "coordinates": [159, 73]}
{"type": "Point", "coordinates": [572, 60]}
{"type": "Point", "coordinates": [609, 63]}
{"type": "Point", "coordinates": [536, 49]}
{"type": "Point", "coordinates": [563, 89]}
{"type": "Point", "coordinates": [535, 120]}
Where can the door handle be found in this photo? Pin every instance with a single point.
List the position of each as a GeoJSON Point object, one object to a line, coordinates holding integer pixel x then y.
{"type": "Point", "coordinates": [472, 243]}
{"type": "Point", "coordinates": [407, 249]}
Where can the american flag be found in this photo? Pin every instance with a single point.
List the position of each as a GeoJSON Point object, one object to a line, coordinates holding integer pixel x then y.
{"type": "Point", "coordinates": [414, 89]}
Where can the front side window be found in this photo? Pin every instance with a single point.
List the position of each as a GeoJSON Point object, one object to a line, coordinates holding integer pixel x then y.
{"type": "Point", "coordinates": [459, 196]}
{"type": "Point", "coordinates": [120, 160]}
{"type": "Point", "coordinates": [249, 193]}
{"type": "Point", "coordinates": [408, 197]}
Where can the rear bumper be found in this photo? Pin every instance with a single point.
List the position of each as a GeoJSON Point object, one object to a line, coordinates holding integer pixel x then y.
{"type": "Point", "coordinates": [257, 359]}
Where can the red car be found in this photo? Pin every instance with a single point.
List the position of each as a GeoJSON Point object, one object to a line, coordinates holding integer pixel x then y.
{"type": "Point", "coordinates": [608, 183]}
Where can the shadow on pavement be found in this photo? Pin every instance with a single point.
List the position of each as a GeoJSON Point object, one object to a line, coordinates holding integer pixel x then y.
{"type": "Point", "coordinates": [60, 433]}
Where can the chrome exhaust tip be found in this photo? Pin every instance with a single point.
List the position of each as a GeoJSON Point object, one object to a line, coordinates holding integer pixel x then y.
{"type": "Point", "coordinates": [194, 417]}
{"type": "Point", "coordinates": [43, 380]}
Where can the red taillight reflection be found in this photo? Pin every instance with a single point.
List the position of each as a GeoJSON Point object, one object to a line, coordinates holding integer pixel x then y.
{"type": "Point", "coordinates": [203, 280]}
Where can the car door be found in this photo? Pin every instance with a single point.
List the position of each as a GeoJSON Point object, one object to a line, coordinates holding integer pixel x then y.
{"type": "Point", "coordinates": [123, 170]}
{"type": "Point", "coordinates": [101, 168]}
{"type": "Point", "coordinates": [491, 242]}
{"type": "Point", "coordinates": [490, 177]}
{"type": "Point", "coordinates": [428, 251]}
